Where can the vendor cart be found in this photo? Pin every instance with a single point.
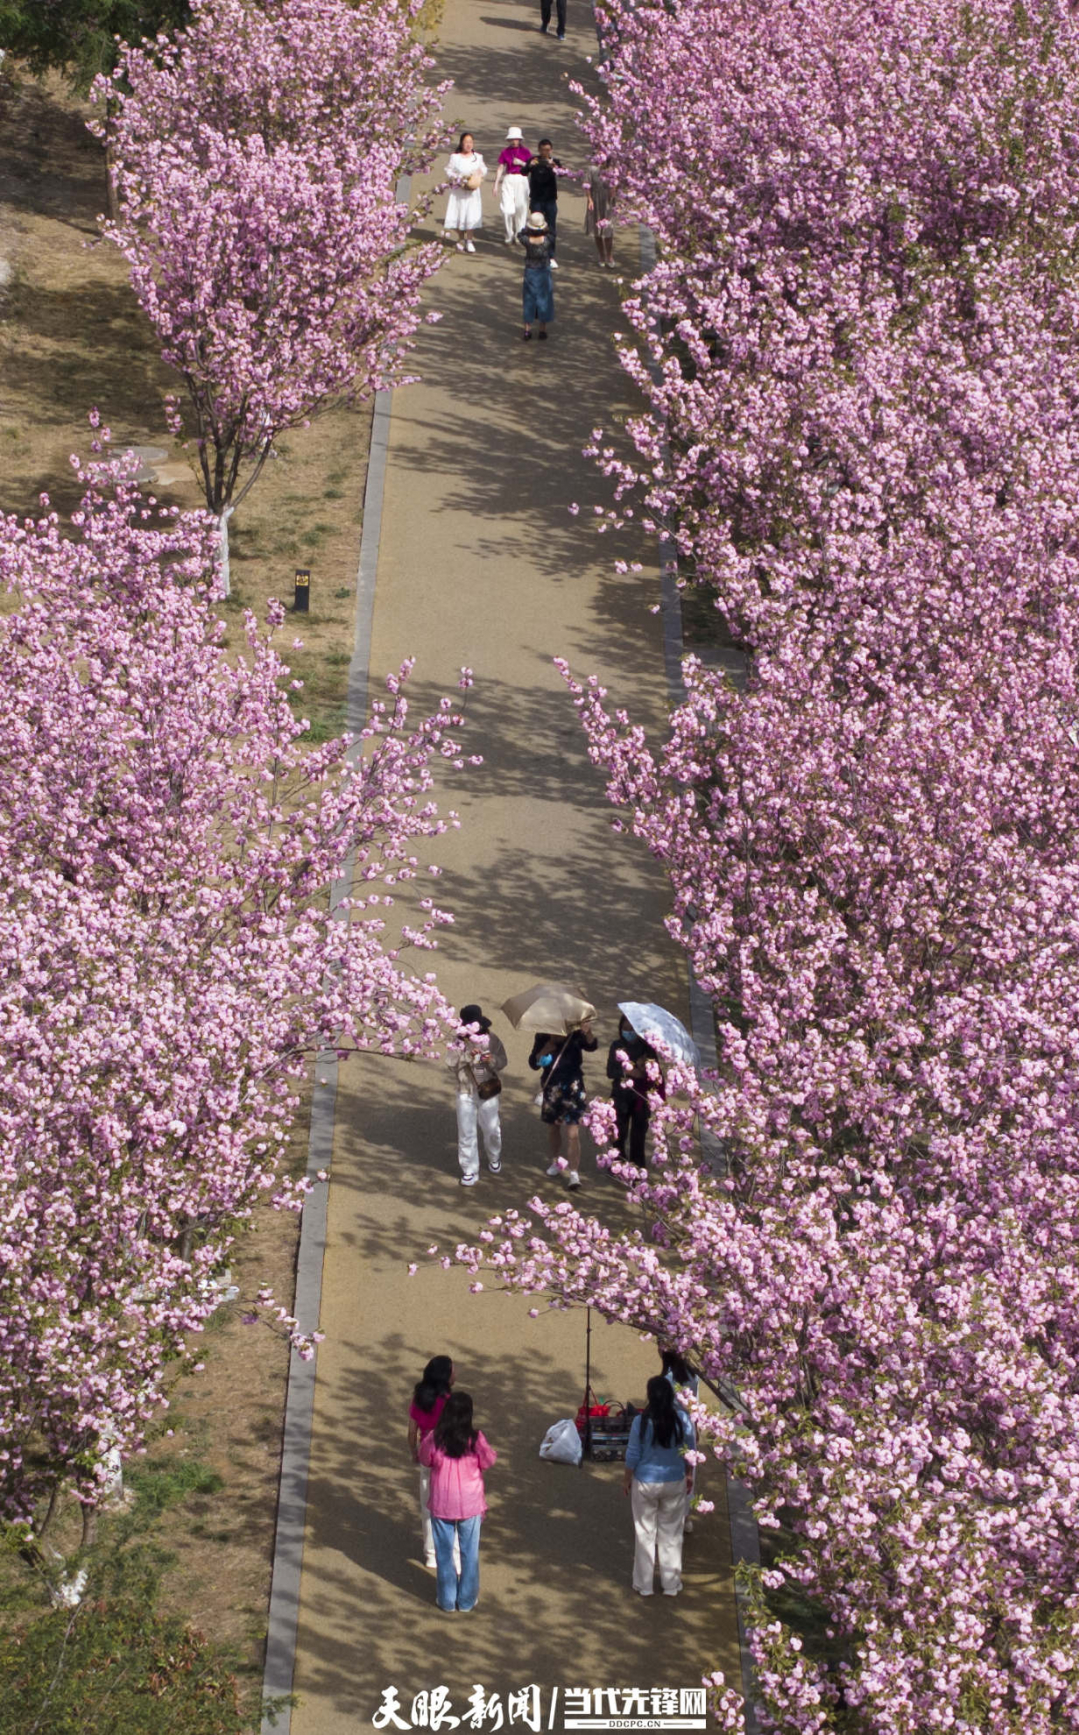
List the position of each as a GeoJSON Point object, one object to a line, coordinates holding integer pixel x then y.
{"type": "Point", "coordinates": [603, 1426]}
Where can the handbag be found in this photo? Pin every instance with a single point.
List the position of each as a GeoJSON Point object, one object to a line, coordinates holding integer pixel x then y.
{"type": "Point", "coordinates": [490, 1087]}
{"type": "Point", "coordinates": [474, 180]}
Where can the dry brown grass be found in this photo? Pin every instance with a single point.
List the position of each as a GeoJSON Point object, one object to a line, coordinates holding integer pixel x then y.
{"type": "Point", "coordinates": [72, 338]}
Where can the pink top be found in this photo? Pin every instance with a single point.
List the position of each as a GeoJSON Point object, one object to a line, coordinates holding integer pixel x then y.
{"type": "Point", "coordinates": [457, 1483]}
{"type": "Point", "coordinates": [515, 158]}
{"type": "Point", "coordinates": [426, 1419]}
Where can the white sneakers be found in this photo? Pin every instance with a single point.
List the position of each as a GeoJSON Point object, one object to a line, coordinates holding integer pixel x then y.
{"type": "Point", "coordinates": [470, 246]}
{"type": "Point", "coordinates": [573, 1179]}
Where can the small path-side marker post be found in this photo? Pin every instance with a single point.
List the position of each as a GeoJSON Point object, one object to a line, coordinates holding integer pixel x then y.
{"type": "Point", "coordinates": [301, 602]}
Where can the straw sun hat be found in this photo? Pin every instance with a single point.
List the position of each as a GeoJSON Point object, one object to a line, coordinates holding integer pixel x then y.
{"type": "Point", "coordinates": [537, 222]}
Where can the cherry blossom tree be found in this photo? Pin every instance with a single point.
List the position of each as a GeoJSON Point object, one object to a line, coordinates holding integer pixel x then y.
{"type": "Point", "coordinates": [256, 160]}
{"type": "Point", "coordinates": [859, 358]}
{"type": "Point", "coordinates": [171, 961]}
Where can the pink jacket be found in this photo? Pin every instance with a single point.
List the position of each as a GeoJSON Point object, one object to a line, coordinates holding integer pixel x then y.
{"type": "Point", "coordinates": [456, 1483]}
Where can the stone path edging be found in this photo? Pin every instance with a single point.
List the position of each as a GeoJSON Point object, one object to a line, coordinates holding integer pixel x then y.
{"type": "Point", "coordinates": [284, 1612]}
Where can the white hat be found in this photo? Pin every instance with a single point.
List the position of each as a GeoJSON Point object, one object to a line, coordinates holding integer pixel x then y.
{"type": "Point", "coordinates": [537, 222]}
{"type": "Point", "coordinates": [515, 133]}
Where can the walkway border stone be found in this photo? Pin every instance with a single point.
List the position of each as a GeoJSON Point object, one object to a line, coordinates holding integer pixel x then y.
{"type": "Point", "coordinates": [284, 1612]}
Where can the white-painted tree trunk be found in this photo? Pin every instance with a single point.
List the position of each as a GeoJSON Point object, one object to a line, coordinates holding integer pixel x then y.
{"type": "Point", "coordinates": [220, 1287]}
{"type": "Point", "coordinates": [112, 1482]}
{"type": "Point", "coordinates": [223, 549]}
{"type": "Point", "coordinates": [69, 1592]}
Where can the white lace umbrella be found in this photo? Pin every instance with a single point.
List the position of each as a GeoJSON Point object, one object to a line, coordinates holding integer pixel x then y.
{"type": "Point", "coordinates": [666, 1033]}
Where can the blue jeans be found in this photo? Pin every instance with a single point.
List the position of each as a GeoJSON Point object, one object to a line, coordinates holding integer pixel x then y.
{"type": "Point", "coordinates": [452, 1592]}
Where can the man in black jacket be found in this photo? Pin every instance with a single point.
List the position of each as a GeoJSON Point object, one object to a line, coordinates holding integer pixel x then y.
{"type": "Point", "coordinates": [543, 189]}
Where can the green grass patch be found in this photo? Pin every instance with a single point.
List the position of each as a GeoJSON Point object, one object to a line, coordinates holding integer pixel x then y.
{"type": "Point", "coordinates": [116, 1664]}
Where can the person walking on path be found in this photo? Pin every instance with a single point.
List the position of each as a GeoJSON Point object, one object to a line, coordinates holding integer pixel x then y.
{"type": "Point", "coordinates": [597, 218]}
{"type": "Point", "coordinates": [428, 1402]}
{"type": "Point", "coordinates": [657, 1481]}
{"type": "Point", "coordinates": [476, 1073]}
{"type": "Point", "coordinates": [457, 1455]}
{"type": "Point", "coordinates": [545, 18]}
{"type": "Point", "coordinates": [511, 183]}
{"type": "Point", "coordinates": [465, 172]}
{"type": "Point", "coordinates": [543, 190]}
{"type": "Point", "coordinates": [537, 295]}
{"type": "Point", "coordinates": [633, 1068]}
{"type": "Point", "coordinates": [562, 1097]}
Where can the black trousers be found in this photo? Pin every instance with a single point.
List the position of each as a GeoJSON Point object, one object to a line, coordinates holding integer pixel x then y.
{"type": "Point", "coordinates": [549, 207]}
{"type": "Point", "coordinates": [633, 1115]}
{"type": "Point", "coordinates": [545, 15]}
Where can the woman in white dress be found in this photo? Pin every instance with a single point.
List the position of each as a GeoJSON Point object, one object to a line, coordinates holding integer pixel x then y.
{"type": "Point", "coordinates": [464, 208]}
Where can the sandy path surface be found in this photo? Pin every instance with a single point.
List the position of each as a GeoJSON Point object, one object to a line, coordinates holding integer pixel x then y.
{"type": "Point", "coordinates": [482, 565]}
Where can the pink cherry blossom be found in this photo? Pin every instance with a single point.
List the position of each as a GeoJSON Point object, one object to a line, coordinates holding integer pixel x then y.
{"type": "Point", "coordinates": [172, 963]}
{"type": "Point", "coordinates": [858, 357]}
{"type": "Point", "coordinates": [255, 160]}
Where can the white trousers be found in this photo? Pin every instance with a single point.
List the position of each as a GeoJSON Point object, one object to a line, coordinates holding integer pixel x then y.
{"type": "Point", "coordinates": [659, 1513]}
{"type": "Point", "coordinates": [475, 1117]}
{"type": "Point", "coordinates": [513, 203]}
{"type": "Point", "coordinates": [425, 1519]}
{"type": "Point", "coordinates": [425, 1516]}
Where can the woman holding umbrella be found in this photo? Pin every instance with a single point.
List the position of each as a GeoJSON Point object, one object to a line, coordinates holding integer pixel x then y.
{"type": "Point", "coordinates": [563, 1025]}
{"type": "Point", "coordinates": [562, 1099]}
{"type": "Point", "coordinates": [633, 1080]}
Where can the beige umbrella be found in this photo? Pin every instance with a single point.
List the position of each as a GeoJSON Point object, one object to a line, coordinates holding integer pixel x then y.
{"type": "Point", "coordinates": [549, 1006]}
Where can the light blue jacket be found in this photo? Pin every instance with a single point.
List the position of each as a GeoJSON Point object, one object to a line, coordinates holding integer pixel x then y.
{"type": "Point", "coordinates": [653, 1463]}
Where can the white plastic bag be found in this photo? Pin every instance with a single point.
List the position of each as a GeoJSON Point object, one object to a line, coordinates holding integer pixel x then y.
{"type": "Point", "coordinates": [561, 1443]}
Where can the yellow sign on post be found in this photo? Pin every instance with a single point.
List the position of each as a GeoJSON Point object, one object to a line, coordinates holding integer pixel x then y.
{"type": "Point", "coordinates": [302, 599]}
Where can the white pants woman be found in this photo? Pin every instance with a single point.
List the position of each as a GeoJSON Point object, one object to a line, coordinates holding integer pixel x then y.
{"type": "Point", "coordinates": [659, 1513]}
{"type": "Point", "coordinates": [513, 203]}
{"type": "Point", "coordinates": [476, 1118]}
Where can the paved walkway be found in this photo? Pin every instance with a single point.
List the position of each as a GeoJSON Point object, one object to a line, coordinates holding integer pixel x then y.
{"type": "Point", "coordinates": [481, 564]}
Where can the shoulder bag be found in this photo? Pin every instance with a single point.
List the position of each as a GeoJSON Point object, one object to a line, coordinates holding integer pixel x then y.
{"type": "Point", "coordinates": [490, 1087]}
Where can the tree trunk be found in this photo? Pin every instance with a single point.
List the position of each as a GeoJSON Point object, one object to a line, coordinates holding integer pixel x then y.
{"type": "Point", "coordinates": [223, 550]}
{"type": "Point", "coordinates": [49, 1513]}
{"type": "Point", "coordinates": [110, 160]}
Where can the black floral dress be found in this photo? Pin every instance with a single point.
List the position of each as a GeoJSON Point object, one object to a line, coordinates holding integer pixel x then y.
{"type": "Point", "coordinates": [564, 1099]}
